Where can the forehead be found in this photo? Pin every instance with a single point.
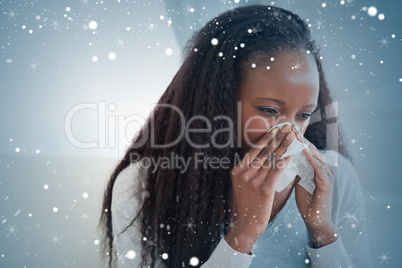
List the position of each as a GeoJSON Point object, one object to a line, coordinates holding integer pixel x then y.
{"type": "Point", "coordinates": [289, 75]}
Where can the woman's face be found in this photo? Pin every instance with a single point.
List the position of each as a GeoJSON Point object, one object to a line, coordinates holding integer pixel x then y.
{"type": "Point", "coordinates": [286, 91]}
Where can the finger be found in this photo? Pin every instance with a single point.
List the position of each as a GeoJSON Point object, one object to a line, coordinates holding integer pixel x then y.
{"type": "Point", "coordinates": [319, 169]}
{"type": "Point", "coordinates": [256, 149]}
{"type": "Point", "coordinates": [322, 160]}
{"type": "Point", "coordinates": [311, 146]}
{"type": "Point", "coordinates": [332, 170]}
{"type": "Point", "coordinates": [316, 152]}
{"type": "Point", "coordinates": [252, 163]}
{"type": "Point", "coordinates": [298, 134]}
{"type": "Point", "coordinates": [276, 147]}
{"type": "Point", "coordinates": [315, 163]}
{"type": "Point", "coordinates": [325, 166]}
{"type": "Point", "coordinates": [262, 173]}
{"type": "Point", "coordinates": [283, 147]}
{"type": "Point", "coordinates": [262, 158]}
{"type": "Point", "coordinates": [327, 169]}
{"type": "Point", "coordinates": [332, 173]}
{"type": "Point", "coordinates": [276, 142]}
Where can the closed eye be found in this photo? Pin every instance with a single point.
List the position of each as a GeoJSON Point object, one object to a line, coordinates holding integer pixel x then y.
{"type": "Point", "coordinates": [267, 110]}
{"type": "Point", "coordinates": [271, 111]}
{"type": "Point", "coordinates": [305, 116]}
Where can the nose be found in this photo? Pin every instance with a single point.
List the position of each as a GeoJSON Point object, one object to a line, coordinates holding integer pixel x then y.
{"type": "Point", "coordinates": [291, 121]}
{"type": "Point", "coordinates": [285, 120]}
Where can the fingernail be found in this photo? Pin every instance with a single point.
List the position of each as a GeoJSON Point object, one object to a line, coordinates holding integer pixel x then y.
{"type": "Point", "coordinates": [290, 135]}
{"type": "Point", "coordinates": [274, 130]}
{"type": "Point", "coordinates": [285, 128]}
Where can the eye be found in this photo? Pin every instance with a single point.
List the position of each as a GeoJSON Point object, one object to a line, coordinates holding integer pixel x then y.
{"type": "Point", "coordinates": [305, 116]}
{"type": "Point", "coordinates": [267, 110]}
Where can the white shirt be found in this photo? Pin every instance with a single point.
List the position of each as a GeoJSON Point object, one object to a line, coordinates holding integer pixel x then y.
{"type": "Point", "coordinates": [284, 243]}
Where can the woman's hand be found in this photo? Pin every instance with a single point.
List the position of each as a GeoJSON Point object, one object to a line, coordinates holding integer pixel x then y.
{"type": "Point", "coordinates": [316, 209]}
{"type": "Point", "coordinates": [254, 180]}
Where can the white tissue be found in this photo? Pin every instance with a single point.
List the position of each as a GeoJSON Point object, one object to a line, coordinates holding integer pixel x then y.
{"type": "Point", "coordinates": [299, 165]}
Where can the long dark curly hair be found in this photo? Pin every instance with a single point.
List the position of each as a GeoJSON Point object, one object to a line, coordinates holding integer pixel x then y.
{"type": "Point", "coordinates": [205, 85]}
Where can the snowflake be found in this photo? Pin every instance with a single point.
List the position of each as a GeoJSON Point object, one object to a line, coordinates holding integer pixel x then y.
{"type": "Point", "coordinates": [275, 230]}
{"type": "Point", "coordinates": [190, 9]}
{"type": "Point", "coordinates": [384, 257]}
{"type": "Point", "coordinates": [85, 2]}
{"type": "Point", "coordinates": [190, 225]}
{"type": "Point", "coordinates": [319, 23]}
{"type": "Point", "coordinates": [11, 230]}
{"type": "Point", "coordinates": [11, 14]}
{"type": "Point", "coordinates": [151, 27]}
{"type": "Point", "coordinates": [33, 66]}
{"type": "Point", "coordinates": [55, 239]}
{"type": "Point", "coordinates": [230, 5]}
{"type": "Point", "coordinates": [233, 225]}
{"type": "Point", "coordinates": [349, 2]}
{"type": "Point", "coordinates": [120, 42]}
{"type": "Point", "coordinates": [298, 66]}
{"type": "Point", "coordinates": [384, 41]}
{"type": "Point", "coordinates": [350, 216]}
{"type": "Point", "coordinates": [85, 217]}
{"type": "Point", "coordinates": [55, 23]}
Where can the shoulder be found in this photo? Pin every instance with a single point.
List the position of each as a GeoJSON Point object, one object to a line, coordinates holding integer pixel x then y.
{"type": "Point", "coordinates": [127, 178]}
{"type": "Point", "coordinates": [127, 182]}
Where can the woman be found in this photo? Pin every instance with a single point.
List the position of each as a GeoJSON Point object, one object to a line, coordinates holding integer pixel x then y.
{"type": "Point", "coordinates": [173, 197]}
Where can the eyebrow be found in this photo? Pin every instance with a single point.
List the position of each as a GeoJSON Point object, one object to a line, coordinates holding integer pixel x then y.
{"type": "Point", "coordinates": [282, 102]}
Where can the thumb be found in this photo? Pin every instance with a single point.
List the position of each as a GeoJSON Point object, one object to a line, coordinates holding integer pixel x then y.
{"type": "Point", "coordinates": [298, 179]}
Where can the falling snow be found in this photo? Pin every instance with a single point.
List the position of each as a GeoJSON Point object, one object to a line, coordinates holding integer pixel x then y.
{"type": "Point", "coordinates": [384, 41]}
{"type": "Point", "coordinates": [55, 239]}
{"type": "Point", "coordinates": [384, 257]}
{"type": "Point", "coordinates": [55, 23]}
{"type": "Point", "coordinates": [190, 225]}
{"type": "Point", "coordinates": [11, 14]}
{"type": "Point", "coordinates": [372, 11]}
{"type": "Point", "coordinates": [350, 217]}
{"type": "Point", "coordinates": [274, 230]}
{"type": "Point", "coordinates": [130, 254]}
{"type": "Point", "coordinates": [11, 230]}
{"type": "Point", "coordinates": [34, 29]}
{"type": "Point", "coordinates": [33, 66]}
{"type": "Point", "coordinates": [85, 3]}
{"type": "Point", "coordinates": [85, 217]}
{"type": "Point", "coordinates": [194, 261]}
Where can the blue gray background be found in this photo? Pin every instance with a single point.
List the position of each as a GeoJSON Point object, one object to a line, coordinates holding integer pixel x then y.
{"type": "Point", "coordinates": [48, 66]}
